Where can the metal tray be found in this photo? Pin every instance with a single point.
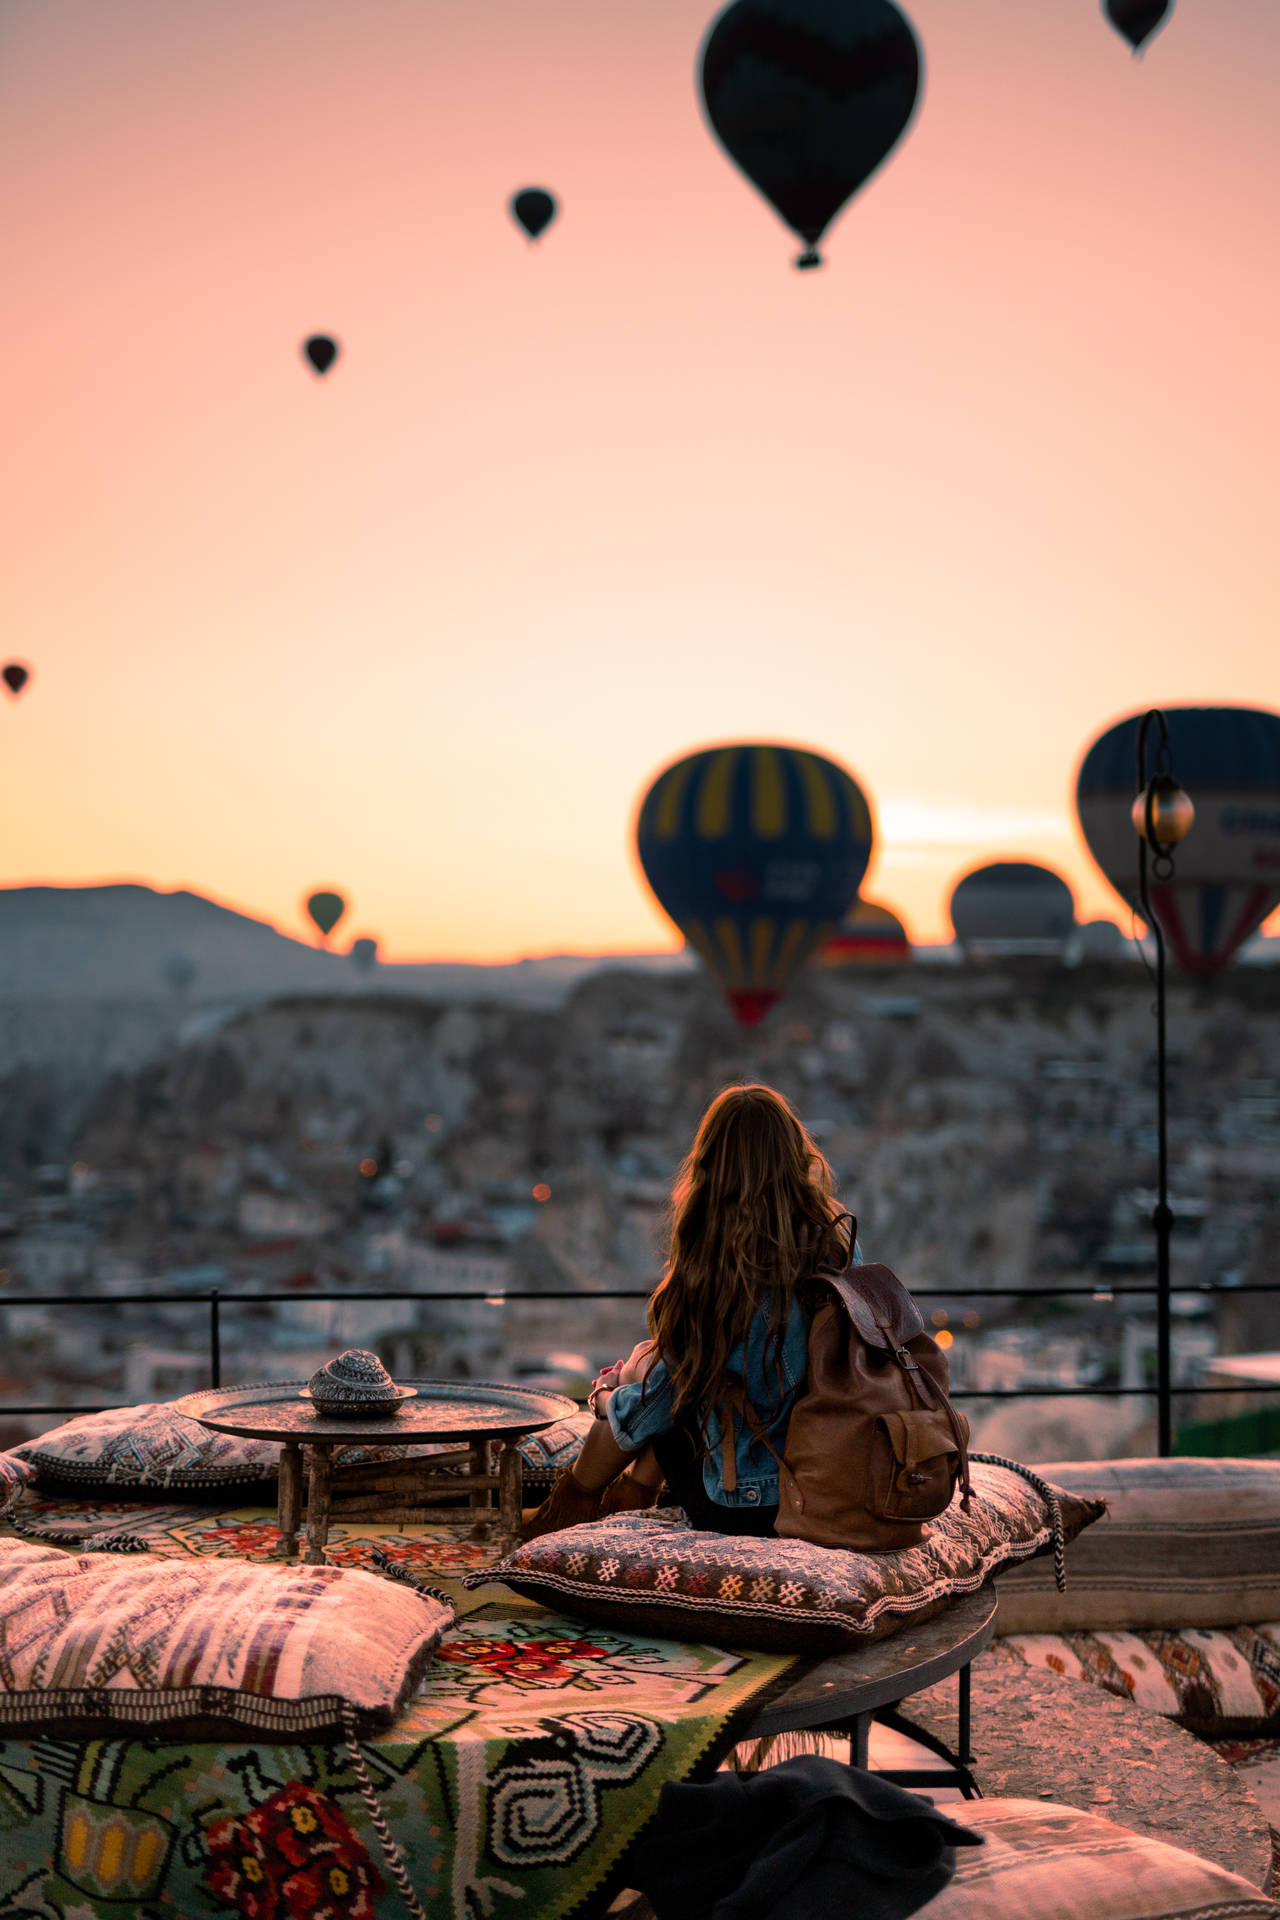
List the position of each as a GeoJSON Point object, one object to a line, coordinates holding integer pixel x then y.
{"type": "Point", "coordinates": [442, 1410]}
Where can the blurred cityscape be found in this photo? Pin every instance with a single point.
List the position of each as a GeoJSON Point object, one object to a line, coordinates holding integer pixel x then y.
{"type": "Point", "coordinates": [991, 1125]}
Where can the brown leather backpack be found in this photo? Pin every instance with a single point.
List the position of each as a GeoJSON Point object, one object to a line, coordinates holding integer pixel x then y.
{"type": "Point", "coordinates": [874, 1447]}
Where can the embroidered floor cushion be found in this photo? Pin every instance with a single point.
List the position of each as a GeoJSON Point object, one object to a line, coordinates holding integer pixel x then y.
{"type": "Point", "coordinates": [152, 1446]}
{"type": "Point", "coordinates": [1185, 1543]}
{"type": "Point", "coordinates": [1057, 1863]}
{"type": "Point", "coordinates": [545, 1453]}
{"type": "Point", "coordinates": [101, 1642]}
{"type": "Point", "coordinates": [14, 1476]}
{"type": "Point", "coordinates": [652, 1571]}
{"type": "Point", "coordinates": [1213, 1682]}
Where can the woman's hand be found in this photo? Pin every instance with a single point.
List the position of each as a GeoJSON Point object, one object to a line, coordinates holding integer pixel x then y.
{"type": "Point", "coordinates": [601, 1387]}
{"type": "Point", "coordinates": [636, 1365]}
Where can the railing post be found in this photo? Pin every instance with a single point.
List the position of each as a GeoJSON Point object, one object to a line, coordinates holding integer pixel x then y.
{"type": "Point", "coordinates": [215, 1340]}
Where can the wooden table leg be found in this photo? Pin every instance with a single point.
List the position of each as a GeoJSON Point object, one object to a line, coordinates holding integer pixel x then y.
{"type": "Point", "coordinates": [289, 1497]}
{"type": "Point", "coordinates": [317, 1504]}
{"type": "Point", "coordinates": [510, 1488]}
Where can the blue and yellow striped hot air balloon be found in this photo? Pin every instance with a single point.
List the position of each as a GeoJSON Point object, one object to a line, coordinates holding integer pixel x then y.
{"type": "Point", "coordinates": [755, 851]}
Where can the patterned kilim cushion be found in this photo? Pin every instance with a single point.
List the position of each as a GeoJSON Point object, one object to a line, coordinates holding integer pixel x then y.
{"type": "Point", "coordinates": [1212, 1682]}
{"type": "Point", "coordinates": [545, 1453]}
{"type": "Point", "coordinates": [653, 1571]}
{"type": "Point", "coordinates": [1185, 1543]}
{"type": "Point", "coordinates": [110, 1640]}
{"type": "Point", "coordinates": [1056, 1863]}
{"type": "Point", "coordinates": [152, 1446]}
{"type": "Point", "coordinates": [14, 1475]}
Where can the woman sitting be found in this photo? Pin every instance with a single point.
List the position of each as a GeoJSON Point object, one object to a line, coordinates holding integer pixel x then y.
{"type": "Point", "coordinates": [704, 1403]}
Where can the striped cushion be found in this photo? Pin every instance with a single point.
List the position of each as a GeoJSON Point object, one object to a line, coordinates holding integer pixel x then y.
{"type": "Point", "coordinates": [1056, 1863]}
{"type": "Point", "coordinates": [1214, 1681]}
{"type": "Point", "coordinates": [1185, 1543]}
{"type": "Point", "coordinates": [107, 1641]}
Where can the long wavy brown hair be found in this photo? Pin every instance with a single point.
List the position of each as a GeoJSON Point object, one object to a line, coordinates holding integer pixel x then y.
{"type": "Point", "coordinates": [752, 1219]}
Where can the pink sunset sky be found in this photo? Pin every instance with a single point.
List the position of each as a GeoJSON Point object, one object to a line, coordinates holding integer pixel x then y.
{"type": "Point", "coordinates": [1003, 471]}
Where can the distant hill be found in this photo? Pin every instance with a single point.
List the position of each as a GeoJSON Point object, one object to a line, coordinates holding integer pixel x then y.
{"type": "Point", "coordinates": [129, 942]}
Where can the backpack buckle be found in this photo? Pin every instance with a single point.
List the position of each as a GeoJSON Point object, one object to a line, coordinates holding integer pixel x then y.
{"type": "Point", "coordinates": [906, 1361]}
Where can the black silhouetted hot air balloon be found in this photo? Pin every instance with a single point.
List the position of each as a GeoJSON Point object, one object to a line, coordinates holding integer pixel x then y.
{"type": "Point", "coordinates": [755, 851]}
{"type": "Point", "coordinates": [326, 909]}
{"type": "Point", "coordinates": [1012, 907]}
{"type": "Point", "coordinates": [1137, 20]}
{"type": "Point", "coordinates": [809, 97]}
{"type": "Point", "coordinates": [533, 208]}
{"type": "Point", "coordinates": [321, 350]}
{"type": "Point", "coordinates": [15, 676]}
{"type": "Point", "coordinates": [364, 952]}
{"type": "Point", "coordinates": [868, 936]}
{"type": "Point", "coordinates": [1226, 873]}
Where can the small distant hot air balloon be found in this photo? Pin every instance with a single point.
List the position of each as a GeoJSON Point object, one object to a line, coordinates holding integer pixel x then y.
{"type": "Point", "coordinates": [1226, 873]}
{"type": "Point", "coordinates": [1101, 940]}
{"type": "Point", "coordinates": [180, 971]}
{"type": "Point", "coordinates": [1137, 20]}
{"type": "Point", "coordinates": [808, 98]}
{"type": "Point", "coordinates": [533, 208]}
{"type": "Point", "coordinates": [755, 851]}
{"type": "Point", "coordinates": [1013, 908]}
{"type": "Point", "coordinates": [868, 936]}
{"type": "Point", "coordinates": [15, 676]}
{"type": "Point", "coordinates": [321, 350]}
{"type": "Point", "coordinates": [365, 953]}
{"type": "Point", "coordinates": [326, 909]}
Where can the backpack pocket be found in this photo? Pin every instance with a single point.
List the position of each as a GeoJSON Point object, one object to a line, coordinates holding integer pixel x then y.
{"type": "Point", "coordinates": [915, 1464]}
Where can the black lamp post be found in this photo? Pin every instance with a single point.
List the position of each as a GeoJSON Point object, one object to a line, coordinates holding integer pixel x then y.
{"type": "Point", "coordinates": [1163, 815]}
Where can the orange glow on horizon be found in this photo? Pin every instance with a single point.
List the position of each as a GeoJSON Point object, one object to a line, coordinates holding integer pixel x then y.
{"type": "Point", "coordinates": [430, 624]}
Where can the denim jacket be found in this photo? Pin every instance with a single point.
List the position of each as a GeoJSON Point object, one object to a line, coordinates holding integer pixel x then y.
{"type": "Point", "coordinates": [639, 1413]}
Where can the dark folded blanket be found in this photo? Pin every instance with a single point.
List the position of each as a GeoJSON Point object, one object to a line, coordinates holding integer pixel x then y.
{"type": "Point", "coordinates": [808, 1837]}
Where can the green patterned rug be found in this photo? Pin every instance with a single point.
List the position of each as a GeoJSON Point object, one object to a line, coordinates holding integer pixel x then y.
{"type": "Point", "coordinates": [514, 1782]}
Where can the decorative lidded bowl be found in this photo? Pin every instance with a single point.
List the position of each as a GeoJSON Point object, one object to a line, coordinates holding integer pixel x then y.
{"type": "Point", "coordinates": [356, 1384]}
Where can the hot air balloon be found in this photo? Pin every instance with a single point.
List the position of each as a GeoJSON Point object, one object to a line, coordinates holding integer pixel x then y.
{"type": "Point", "coordinates": [1226, 873]}
{"type": "Point", "coordinates": [1012, 907]}
{"type": "Point", "coordinates": [808, 98]}
{"type": "Point", "coordinates": [15, 676]}
{"type": "Point", "coordinates": [321, 350]}
{"type": "Point", "coordinates": [755, 851]}
{"type": "Point", "coordinates": [326, 909]}
{"type": "Point", "coordinates": [533, 208]}
{"type": "Point", "coordinates": [1101, 940]}
{"type": "Point", "coordinates": [365, 953]}
{"type": "Point", "coordinates": [1137, 20]}
{"type": "Point", "coordinates": [180, 971]}
{"type": "Point", "coordinates": [868, 936]}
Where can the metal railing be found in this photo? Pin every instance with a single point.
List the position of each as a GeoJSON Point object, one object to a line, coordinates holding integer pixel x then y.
{"type": "Point", "coordinates": [214, 1300]}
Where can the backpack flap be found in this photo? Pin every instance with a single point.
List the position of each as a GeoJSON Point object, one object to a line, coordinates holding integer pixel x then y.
{"type": "Point", "coordinates": [881, 1309]}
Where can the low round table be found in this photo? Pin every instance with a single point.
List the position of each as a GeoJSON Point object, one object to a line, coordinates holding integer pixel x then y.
{"type": "Point", "coordinates": [845, 1693]}
{"type": "Point", "coordinates": [471, 1411]}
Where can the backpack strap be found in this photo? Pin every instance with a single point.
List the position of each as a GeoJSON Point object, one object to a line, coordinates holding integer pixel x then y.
{"type": "Point", "coordinates": [735, 1404]}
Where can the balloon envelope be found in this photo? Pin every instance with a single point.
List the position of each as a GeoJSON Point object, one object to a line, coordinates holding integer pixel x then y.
{"type": "Point", "coordinates": [364, 952]}
{"type": "Point", "coordinates": [755, 851]}
{"type": "Point", "coordinates": [1012, 907]}
{"type": "Point", "coordinates": [15, 676]}
{"type": "Point", "coordinates": [326, 909]}
{"type": "Point", "coordinates": [1226, 873]}
{"type": "Point", "coordinates": [321, 350]}
{"type": "Point", "coordinates": [533, 208]}
{"type": "Point", "coordinates": [868, 936]}
{"type": "Point", "coordinates": [808, 98]}
{"type": "Point", "coordinates": [1137, 20]}
{"type": "Point", "coordinates": [180, 970]}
